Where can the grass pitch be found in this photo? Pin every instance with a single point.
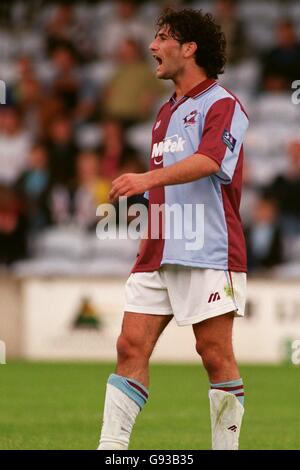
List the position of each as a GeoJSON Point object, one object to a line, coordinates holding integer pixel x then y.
{"type": "Point", "coordinates": [59, 406]}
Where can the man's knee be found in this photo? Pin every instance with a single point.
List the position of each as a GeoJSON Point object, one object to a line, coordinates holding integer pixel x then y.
{"type": "Point", "coordinates": [131, 347]}
{"type": "Point", "coordinates": [214, 355]}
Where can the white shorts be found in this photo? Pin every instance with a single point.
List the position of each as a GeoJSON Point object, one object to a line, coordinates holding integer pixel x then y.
{"type": "Point", "coordinates": [190, 294]}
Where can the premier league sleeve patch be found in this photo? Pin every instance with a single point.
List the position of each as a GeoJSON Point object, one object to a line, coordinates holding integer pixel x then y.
{"type": "Point", "coordinates": [229, 140]}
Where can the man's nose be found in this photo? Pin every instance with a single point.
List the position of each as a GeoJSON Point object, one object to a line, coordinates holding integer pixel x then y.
{"type": "Point", "coordinates": [153, 46]}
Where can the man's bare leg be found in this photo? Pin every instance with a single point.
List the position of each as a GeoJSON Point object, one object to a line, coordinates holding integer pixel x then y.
{"type": "Point", "coordinates": [136, 342]}
{"type": "Point", "coordinates": [126, 391]}
{"type": "Point", "coordinates": [214, 345]}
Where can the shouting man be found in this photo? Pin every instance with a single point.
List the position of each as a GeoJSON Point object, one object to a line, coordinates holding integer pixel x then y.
{"type": "Point", "coordinates": [196, 160]}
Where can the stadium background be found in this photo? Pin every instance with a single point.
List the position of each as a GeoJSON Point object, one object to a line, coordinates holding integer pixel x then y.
{"type": "Point", "coordinates": [80, 102]}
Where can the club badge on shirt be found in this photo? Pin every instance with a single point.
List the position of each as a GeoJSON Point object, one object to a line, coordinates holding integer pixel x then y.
{"type": "Point", "coordinates": [229, 140]}
{"type": "Point", "coordinates": [191, 118]}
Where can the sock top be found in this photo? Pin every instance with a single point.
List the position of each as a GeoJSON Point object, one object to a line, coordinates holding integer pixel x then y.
{"type": "Point", "coordinates": [131, 387]}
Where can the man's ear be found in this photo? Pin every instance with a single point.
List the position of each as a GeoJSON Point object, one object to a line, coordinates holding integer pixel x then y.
{"type": "Point", "coordinates": [189, 49]}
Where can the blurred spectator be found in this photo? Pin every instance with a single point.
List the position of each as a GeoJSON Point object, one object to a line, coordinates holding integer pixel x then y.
{"type": "Point", "coordinates": [69, 84]}
{"type": "Point", "coordinates": [264, 236]}
{"type": "Point", "coordinates": [250, 195]}
{"type": "Point", "coordinates": [233, 28]}
{"type": "Point", "coordinates": [285, 189]}
{"type": "Point", "coordinates": [124, 24]}
{"type": "Point", "coordinates": [79, 203]}
{"type": "Point", "coordinates": [281, 64]}
{"type": "Point", "coordinates": [133, 90]}
{"type": "Point", "coordinates": [114, 149]}
{"type": "Point", "coordinates": [13, 227]}
{"type": "Point", "coordinates": [28, 94]}
{"type": "Point", "coordinates": [66, 26]}
{"type": "Point", "coordinates": [62, 150]}
{"type": "Point", "coordinates": [5, 15]}
{"type": "Point", "coordinates": [131, 163]}
{"type": "Point", "coordinates": [25, 67]}
{"type": "Point", "coordinates": [33, 187]}
{"type": "Point", "coordinates": [14, 145]}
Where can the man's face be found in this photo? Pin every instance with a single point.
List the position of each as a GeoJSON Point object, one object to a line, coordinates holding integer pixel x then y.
{"type": "Point", "coordinates": [168, 53]}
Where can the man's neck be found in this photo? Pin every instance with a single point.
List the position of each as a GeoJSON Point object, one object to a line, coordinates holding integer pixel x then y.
{"type": "Point", "coordinates": [188, 81]}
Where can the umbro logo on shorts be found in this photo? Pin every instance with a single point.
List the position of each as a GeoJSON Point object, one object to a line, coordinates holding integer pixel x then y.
{"type": "Point", "coordinates": [213, 297]}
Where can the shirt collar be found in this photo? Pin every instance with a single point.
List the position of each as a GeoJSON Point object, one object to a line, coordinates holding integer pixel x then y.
{"type": "Point", "coordinates": [197, 90]}
{"type": "Point", "coordinates": [201, 87]}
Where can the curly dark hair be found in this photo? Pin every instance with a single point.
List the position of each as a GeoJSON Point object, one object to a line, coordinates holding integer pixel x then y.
{"type": "Point", "coordinates": [195, 26]}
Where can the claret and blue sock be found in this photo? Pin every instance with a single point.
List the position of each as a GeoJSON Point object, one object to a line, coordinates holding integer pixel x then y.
{"type": "Point", "coordinates": [124, 399]}
{"type": "Point", "coordinates": [236, 387]}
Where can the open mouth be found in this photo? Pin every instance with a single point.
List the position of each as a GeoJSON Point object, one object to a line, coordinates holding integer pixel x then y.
{"type": "Point", "coordinates": [158, 59]}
